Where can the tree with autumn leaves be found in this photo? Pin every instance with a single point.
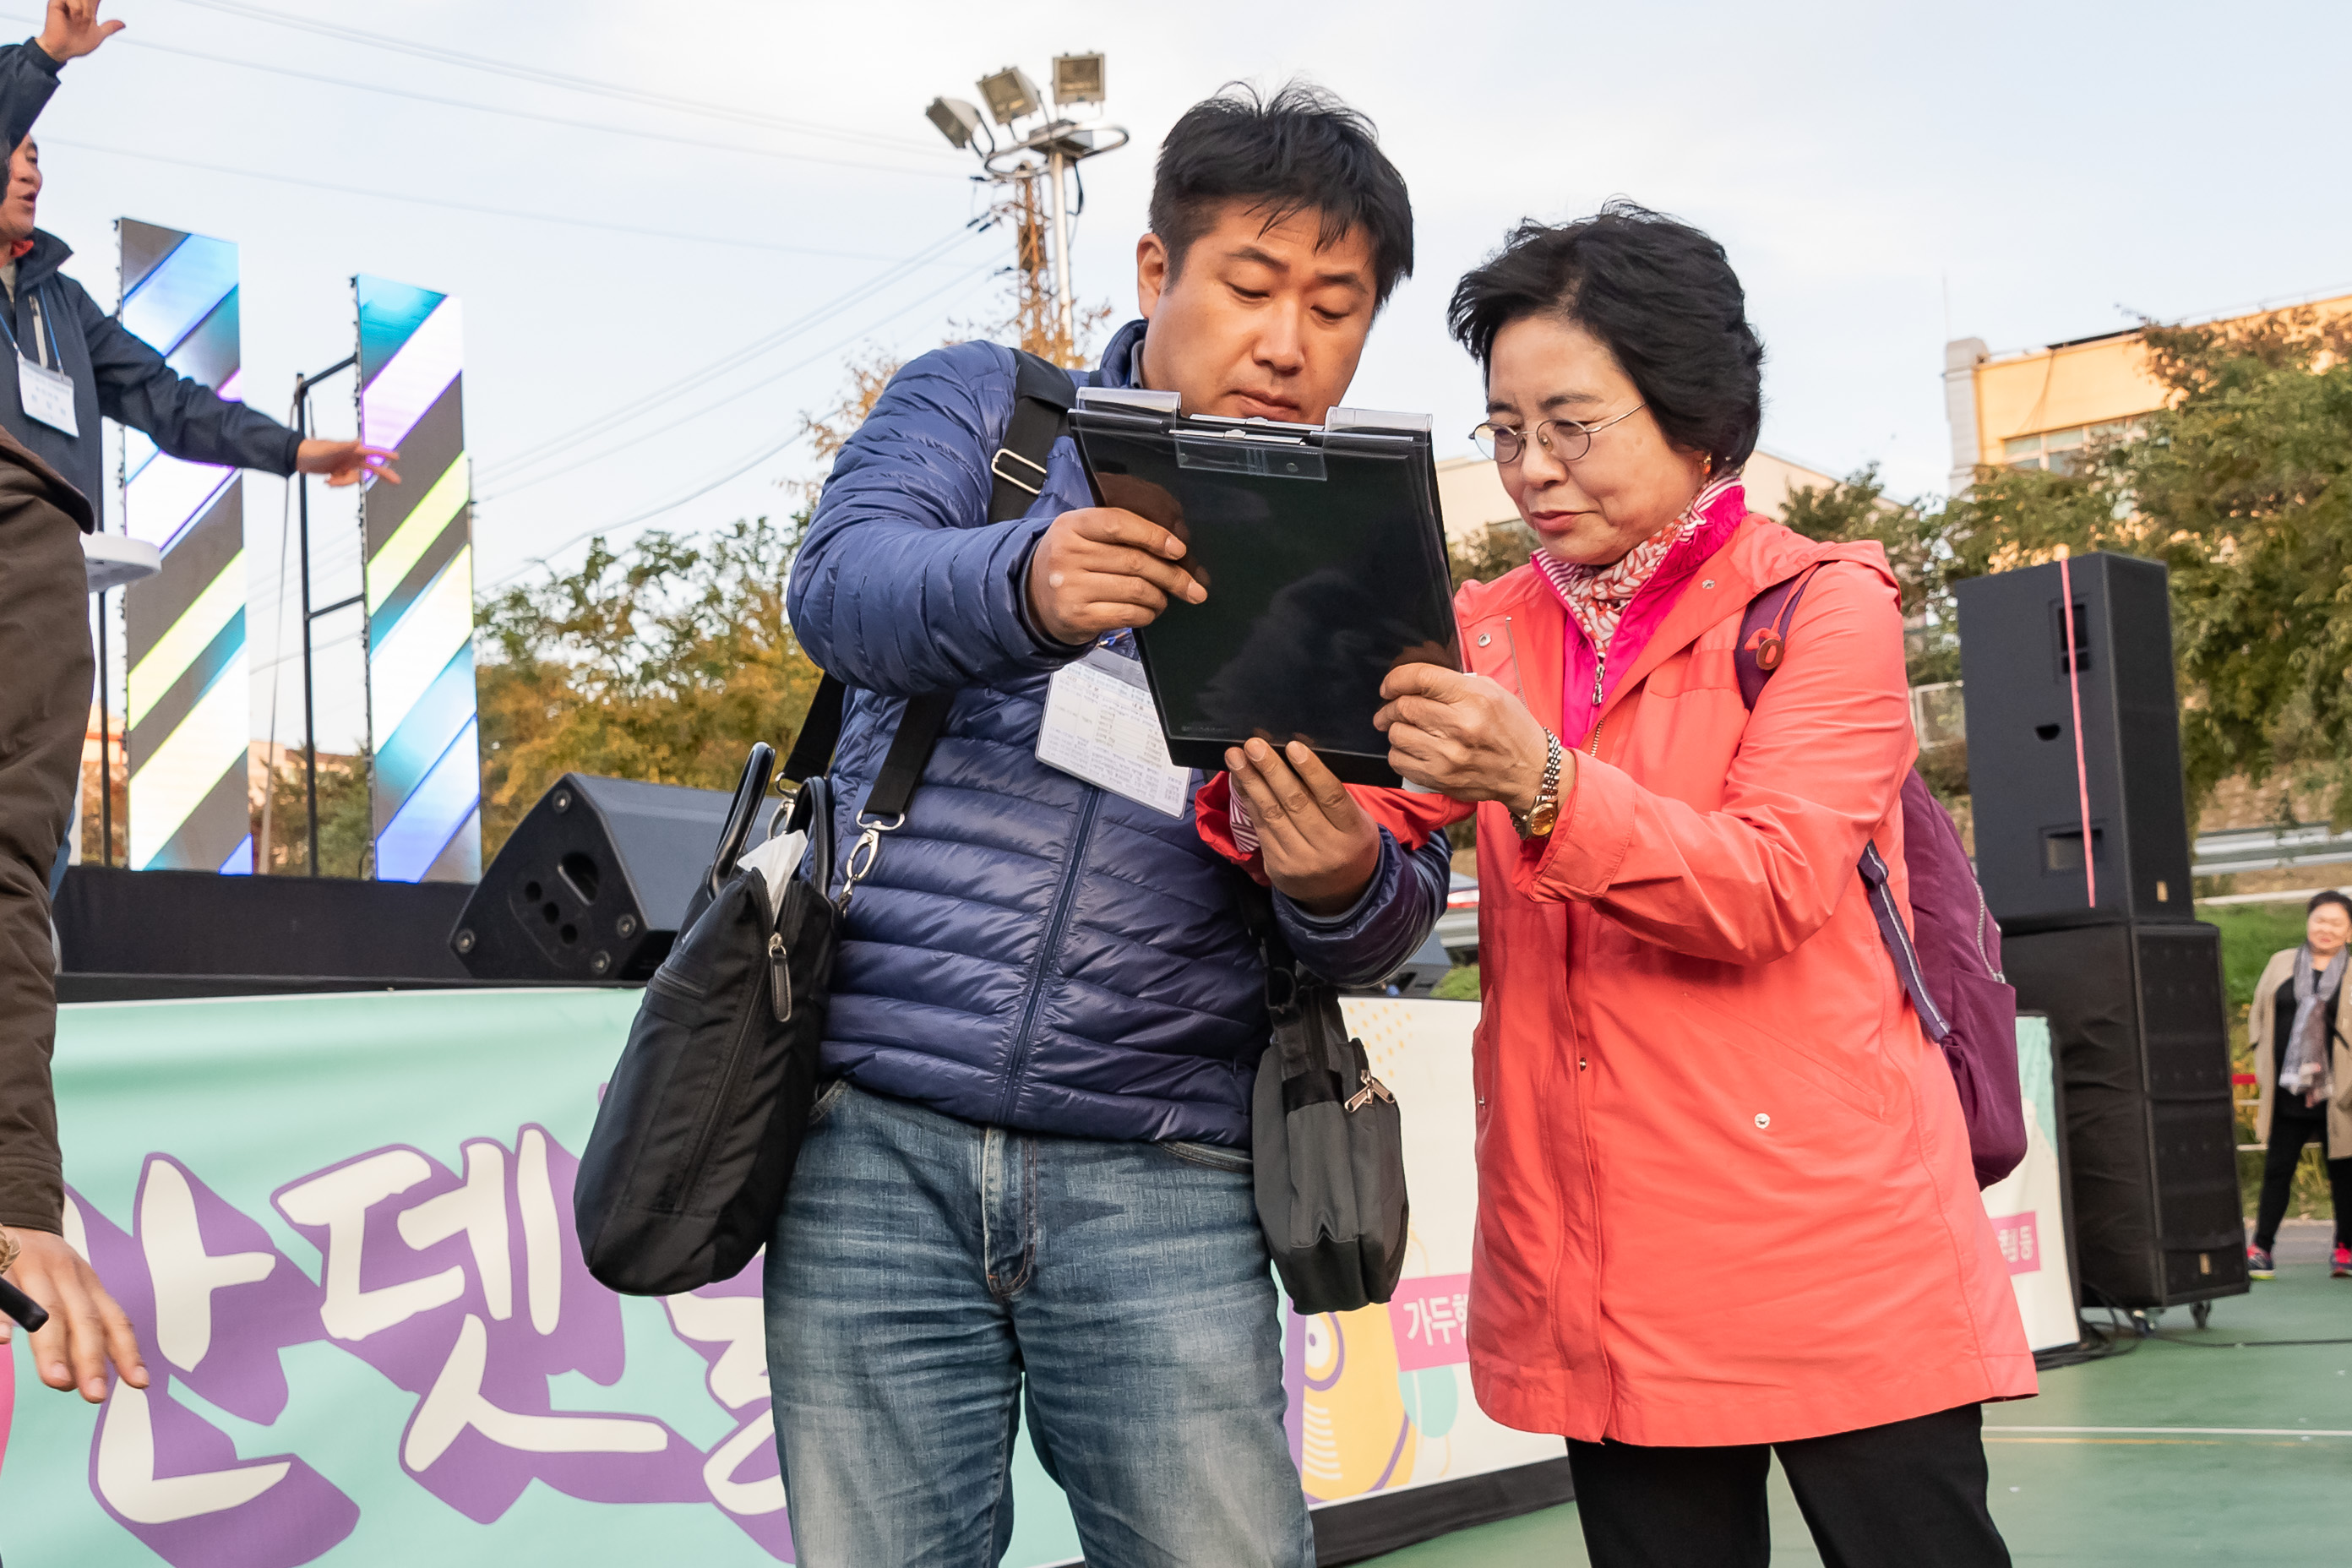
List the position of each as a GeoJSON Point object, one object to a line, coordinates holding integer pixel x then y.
{"type": "Point", "coordinates": [2241, 485]}
{"type": "Point", "coordinates": [665, 660]}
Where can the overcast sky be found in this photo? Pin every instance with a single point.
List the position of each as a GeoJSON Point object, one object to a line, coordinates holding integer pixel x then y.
{"type": "Point", "coordinates": [1884, 178]}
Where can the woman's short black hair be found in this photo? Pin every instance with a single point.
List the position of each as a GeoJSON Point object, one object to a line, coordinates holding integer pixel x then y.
{"type": "Point", "coordinates": [1300, 150]}
{"type": "Point", "coordinates": [2327, 895]}
{"type": "Point", "coordinates": [1659, 293]}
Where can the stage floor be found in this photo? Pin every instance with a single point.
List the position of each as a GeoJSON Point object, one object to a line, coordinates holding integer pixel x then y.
{"type": "Point", "coordinates": [2136, 1482]}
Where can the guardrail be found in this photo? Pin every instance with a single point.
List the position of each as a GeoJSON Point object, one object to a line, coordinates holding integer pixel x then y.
{"type": "Point", "coordinates": [2270, 849]}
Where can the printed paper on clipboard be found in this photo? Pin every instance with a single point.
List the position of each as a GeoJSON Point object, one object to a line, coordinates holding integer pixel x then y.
{"type": "Point", "coordinates": [1325, 561]}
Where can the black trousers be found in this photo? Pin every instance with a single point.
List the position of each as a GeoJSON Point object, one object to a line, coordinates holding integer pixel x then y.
{"type": "Point", "coordinates": [2288, 1135]}
{"type": "Point", "coordinates": [1910, 1494]}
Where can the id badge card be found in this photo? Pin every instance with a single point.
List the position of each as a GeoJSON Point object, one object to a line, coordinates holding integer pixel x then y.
{"type": "Point", "coordinates": [47, 395]}
{"type": "Point", "coordinates": [1100, 726]}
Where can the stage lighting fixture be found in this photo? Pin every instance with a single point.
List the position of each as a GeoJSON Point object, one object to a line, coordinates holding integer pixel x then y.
{"type": "Point", "coordinates": [1077, 79]}
{"type": "Point", "coordinates": [958, 122]}
{"type": "Point", "coordinates": [1011, 94]}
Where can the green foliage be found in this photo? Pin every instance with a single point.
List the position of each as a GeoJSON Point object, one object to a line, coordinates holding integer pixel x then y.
{"type": "Point", "coordinates": [346, 818]}
{"type": "Point", "coordinates": [2242, 487]}
{"type": "Point", "coordinates": [1460, 984]}
{"type": "Point", "coordinates": [1915, 535]}
{"type": "Point", "coordinates": [663, 661]}
{"type": "Point", "coordinates": [1498, 548]}
{"type": "Point", "coordinates": [2249, 934]}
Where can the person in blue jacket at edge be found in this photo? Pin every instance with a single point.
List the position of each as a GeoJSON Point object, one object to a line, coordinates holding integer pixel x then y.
{"type": "Point", "coordinates": [1027, 1180]}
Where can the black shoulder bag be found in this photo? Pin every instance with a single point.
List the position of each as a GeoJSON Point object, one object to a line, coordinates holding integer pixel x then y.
{"type": "Point", "coordinates": [1327, 1140]}
{"type": "Point", "coordinates": [683, 1177]}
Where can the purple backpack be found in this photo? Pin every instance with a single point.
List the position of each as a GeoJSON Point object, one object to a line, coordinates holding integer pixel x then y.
{"type": "Point", "coordinates": [1950, 957]}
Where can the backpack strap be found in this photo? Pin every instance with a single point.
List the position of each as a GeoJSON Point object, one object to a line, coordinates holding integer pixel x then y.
{"type": "Point", "coordinates": [1898, 940]}
{"type": "Point", "coordinates": [1764, 633]}
{"type": "Point", "coordinates": [1041, 398]}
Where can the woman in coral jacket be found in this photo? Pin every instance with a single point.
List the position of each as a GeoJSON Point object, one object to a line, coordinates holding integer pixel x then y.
{"type": "Point", "coordinates": [1725, 1207]}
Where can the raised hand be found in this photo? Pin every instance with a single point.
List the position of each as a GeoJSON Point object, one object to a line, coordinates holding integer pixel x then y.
{"type": "Point", "coordinates": [344, 462]}
{"type": "Point", "coordinates": [72, 30]}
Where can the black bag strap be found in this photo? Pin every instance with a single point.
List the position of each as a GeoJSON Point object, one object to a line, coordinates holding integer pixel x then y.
{"type": "Point", "coordinates": [1285, 979]}
{"type": "Point", "coordinates": [820, 728]}
{"type": "Point", "coordinates": [1042, 399]}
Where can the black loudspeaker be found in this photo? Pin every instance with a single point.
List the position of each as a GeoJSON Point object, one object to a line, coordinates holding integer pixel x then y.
{"type": "Point", "coordinates": [2020, 723]}
{"type": "Point", "coordinates": [593, 882]}
{"type": "Point", "coordinates": [2138, 1020]}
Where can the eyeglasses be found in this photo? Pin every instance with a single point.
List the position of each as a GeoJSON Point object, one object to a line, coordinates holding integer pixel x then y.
{"type": "Point", "coordinates": [1565, 439]}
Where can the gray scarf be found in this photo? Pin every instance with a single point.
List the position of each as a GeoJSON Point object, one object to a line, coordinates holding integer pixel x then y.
{"type": "Point", "coordinates": [2302, 1061]}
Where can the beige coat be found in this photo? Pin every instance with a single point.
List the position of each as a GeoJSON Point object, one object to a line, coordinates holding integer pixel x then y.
{"type": "Point", "coordinates": [2261, 1023]}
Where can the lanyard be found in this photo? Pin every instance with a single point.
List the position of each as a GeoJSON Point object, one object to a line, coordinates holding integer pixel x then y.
{"type": "Point", "coordinates": [7, 325]}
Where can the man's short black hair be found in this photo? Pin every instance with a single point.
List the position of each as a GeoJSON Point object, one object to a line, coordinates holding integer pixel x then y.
{"type": "Point", "coordinates": [1658, 292]}
{"type": "Point", "coordinates": [1300, 150]}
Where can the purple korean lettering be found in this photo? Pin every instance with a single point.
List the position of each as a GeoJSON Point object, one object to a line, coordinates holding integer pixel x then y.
{"type": "Point", "coordinates": [469, 1291]}
{"type": "Point", "coordinates": [212, 1302]}
{"type": "Point", "coordinates": [726, 1325]}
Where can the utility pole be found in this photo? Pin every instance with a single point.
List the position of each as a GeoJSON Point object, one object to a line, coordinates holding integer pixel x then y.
{"type": "Point", "coordinates": [1034, 173]}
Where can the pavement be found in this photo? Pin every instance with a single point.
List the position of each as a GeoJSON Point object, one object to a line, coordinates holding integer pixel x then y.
{"type": "Point", "coordinates": [2206, 1446]}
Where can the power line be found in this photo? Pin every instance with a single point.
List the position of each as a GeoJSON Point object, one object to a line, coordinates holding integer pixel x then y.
{"type": "Point", "coordinates": [556, 78]}
{"type": "Point", "coordinates": [735, 473]}
{"type": "Point", "coordinates": [531, 456]}
{"type": "Point", "coordinates": [346, 83]}
{"type": "Point", "coordinates": [348, 190]}
{"type": "Point", "coordinates": [689, 417]}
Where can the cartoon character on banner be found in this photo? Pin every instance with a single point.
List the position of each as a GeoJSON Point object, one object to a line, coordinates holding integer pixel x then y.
{"type": "Point", "coordinates": [1370, 1388]}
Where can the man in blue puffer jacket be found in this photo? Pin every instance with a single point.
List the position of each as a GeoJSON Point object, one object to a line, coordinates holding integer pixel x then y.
{"type": "Point", "coordinates": [1029, 1180]}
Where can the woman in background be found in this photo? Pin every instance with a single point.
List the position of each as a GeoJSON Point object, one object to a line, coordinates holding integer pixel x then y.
{"type": "Point", "coordinates": [2303, 1062]}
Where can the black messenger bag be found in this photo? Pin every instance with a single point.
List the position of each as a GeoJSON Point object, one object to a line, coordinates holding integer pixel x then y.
{"type": "Point", "coordinates": [685, 1173]}
{"type": "Point", "coordinates": [1328, 1141]}
{"type": "Point", "coordinates": [684, 1176]}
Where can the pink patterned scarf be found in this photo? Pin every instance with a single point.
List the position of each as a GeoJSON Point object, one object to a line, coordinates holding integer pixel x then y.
{"type": "Point", "coordinates": [1629, 596]}
{"type": "Point", "coordinates": [1596, 596]}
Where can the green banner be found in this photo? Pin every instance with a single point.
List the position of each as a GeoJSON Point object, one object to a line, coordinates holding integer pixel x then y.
{"type": "Point", "coordinates": [344, 1225]}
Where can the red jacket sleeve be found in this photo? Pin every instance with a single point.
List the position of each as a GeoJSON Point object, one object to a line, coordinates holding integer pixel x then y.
{"type": "Point", "coordinates": [1410, 816]}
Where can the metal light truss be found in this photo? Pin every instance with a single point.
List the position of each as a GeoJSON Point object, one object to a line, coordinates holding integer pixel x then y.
{"type": "Point", "coordinates": [417, 542]}
{"type": "Point", "coordinates": [188, 691]}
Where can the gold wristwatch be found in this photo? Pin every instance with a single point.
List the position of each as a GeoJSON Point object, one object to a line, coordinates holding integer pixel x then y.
{"type": "Point", "coordinates": [1542, 816]}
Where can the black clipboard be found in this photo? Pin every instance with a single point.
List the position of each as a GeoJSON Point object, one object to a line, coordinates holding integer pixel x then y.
{"type": "Point", "coordinates": [1325, 561]}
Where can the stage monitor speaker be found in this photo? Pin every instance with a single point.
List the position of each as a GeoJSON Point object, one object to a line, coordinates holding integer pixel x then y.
{"type": "Point", "coordinates": [593, 882]}
{"type": "Point", "coordinates": [2138, 1019]}
{"type": "Point", "coordinates": [2021, 767]}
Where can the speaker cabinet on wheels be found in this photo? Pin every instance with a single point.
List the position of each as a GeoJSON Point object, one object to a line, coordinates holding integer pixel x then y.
{"type": "Point", "coordinates": [2131, 981]}
{"type": "Point", "coordinates": [2137, 1015]}
{"type": "Point", "coordinates": [594, 882]}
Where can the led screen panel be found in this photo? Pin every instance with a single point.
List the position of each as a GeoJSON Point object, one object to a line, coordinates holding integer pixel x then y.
{"type": "Point", "coordinates": [187, 689]}
{"type": "Point", "coordinates": [417, 545]}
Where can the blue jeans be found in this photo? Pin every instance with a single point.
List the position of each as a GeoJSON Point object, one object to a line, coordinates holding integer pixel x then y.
{"type": "Point", "coordinates": [926, 1269]}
